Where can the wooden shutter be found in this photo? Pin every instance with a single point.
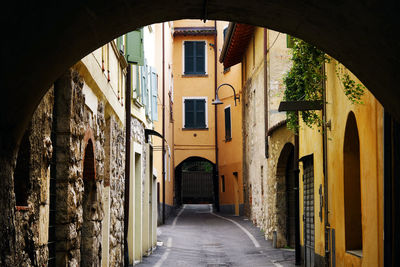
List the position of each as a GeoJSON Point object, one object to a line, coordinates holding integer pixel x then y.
{"type": "Point", "coordinates": [200, 57]}
{"type": "Point", "coordinates": [195, 113]}
{"type": "Point", "coordinates": [228, 131]}
{"type": "Point", "coordinates": [134, 47]}
{"type": "Point", "coordinates": [143, 84]}
{"type": "Point", "coordinates": [189, 57]}
{"type": "Point", "coordinates": [154, 94]}
{"type": "Point", "coordinates": [189, 113]}
{"type": "Point", "coordinates": [194, 57]}
{"type": "Point", "coordinates": [200, 114]}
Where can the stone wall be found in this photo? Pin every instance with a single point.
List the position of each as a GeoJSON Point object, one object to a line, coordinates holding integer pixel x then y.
{"type": "Point", "coordinates": [75, 126]}
{"type": "Point", "coordinates": [31, 219]}
{"type": "Point", "coordinates": [275, 184]}
{"type": "Point", "coordinates": [254, 161]}
{"type": "Point", "coordinates": [63, 137]}
{"type": "Point", "coordinates": [115, 136]}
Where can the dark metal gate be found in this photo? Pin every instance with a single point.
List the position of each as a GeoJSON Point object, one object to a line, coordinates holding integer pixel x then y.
{"type": "Point", "coordinates": [308, 217]}
{"type": "Point", "coordinates": [197, 187]}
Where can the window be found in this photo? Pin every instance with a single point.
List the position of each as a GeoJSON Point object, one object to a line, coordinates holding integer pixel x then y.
{"type": "Point", "coordinates": [352, 188]}
{"type": "Point", "coordinates": [195, 60]}
{"type": "Point", "coordinates": [195, 113]}
{"type": "Point", "coordinates": [228, 127]}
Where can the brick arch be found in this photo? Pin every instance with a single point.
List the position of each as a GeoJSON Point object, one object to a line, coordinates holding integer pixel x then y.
{"type": "Point", "coordinates": [89, 155]}
{"type": "Point", "coordinates": [90, 247]}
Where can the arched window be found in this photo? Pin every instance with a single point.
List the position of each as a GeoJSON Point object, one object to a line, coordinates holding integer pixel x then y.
{"type": "Point", "coordinates": [21, 174]}
{"type": "Point", "coordinates": [89, 198]}
{"type": "Point", "coordinates": [352, 187]}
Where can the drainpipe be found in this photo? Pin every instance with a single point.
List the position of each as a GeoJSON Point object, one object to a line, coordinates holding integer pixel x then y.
{"type": "Point", "coordinates": [296, 171]}
{"type": "Point", "coordinates": [325, 168]}
{"type": "Point", "coordinates": [266, 112]}
{"type": "Point", "coordinates": [163, 123]}
{"type": "Point", "coordinates": [216, 186]}
{"type": "Point", "coordinates": [127, 159]}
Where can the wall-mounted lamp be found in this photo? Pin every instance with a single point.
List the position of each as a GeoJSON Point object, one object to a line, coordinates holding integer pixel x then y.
{"type": "Point", "coordinates": [217, 101]}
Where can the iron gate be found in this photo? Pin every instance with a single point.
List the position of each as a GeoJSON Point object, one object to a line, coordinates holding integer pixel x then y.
{"type": "Point", "coordinates": [197, 187]}
{"type": "Point", "coordinates": [308, 217]}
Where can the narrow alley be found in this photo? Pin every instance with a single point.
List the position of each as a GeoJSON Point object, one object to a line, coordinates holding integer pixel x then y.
{"type": "Point", "coordinates": [197, 236]}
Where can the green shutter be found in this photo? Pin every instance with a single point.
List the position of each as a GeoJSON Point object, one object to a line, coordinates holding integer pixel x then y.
{"type": "Point", "coordinates": [154, 94]}
{"type": "Point", "coordinates": [228, 131]}
{"type": "Point", "coordinates": [120, 44]}
{"type": "Point", "coordinates": [134, 47]}
{"type": "Point", "coordinates": [195, 113]}
{"type": "Point", "coordinates": [195, 57]}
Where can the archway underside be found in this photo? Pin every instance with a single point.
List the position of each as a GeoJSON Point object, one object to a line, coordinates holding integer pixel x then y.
{"type": "Point", "coordinates": [50, 38]}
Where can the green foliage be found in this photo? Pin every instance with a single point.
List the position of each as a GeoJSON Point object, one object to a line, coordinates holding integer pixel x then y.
{"type": "Point", "coordinates": [304, 81]}
{"type": "Point", "coordinates": [354, 91]}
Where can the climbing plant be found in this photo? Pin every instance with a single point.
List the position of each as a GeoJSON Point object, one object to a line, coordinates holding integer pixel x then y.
{"type": "Point", "coordinates": [353, 90]}
{"type": "Point", "coordinates": [305, 81]}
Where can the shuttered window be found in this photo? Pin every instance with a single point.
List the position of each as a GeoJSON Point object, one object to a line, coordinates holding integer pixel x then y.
{"type": "Point", "coordinates": [154, 94]}
{"type": "Point", "coordinates": [195, 60]}
{"type": "Point", "coordinates": [195, 113]}
{"type": "Point", "coordinates": [134, 47]}
{"type": "Point", "coordinates": [228, 129]}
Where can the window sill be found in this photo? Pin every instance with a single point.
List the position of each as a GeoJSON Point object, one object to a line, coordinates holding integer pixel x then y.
{"type": "Point", "coordinates": [137, 103]}
{"type": "Point", "coordinates": [194, 129]}
{"type": "Point", "coordinates": [194, 75]}
{"type": "Point", "coordinates": [356, 252]}
{"type": "Point", "coordinates": [228, 139]}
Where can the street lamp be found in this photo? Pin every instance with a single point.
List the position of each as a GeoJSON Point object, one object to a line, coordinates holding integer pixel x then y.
{"type": "Point", "coordinates": [217, 101]}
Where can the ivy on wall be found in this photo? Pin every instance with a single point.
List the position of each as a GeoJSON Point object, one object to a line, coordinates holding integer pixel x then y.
{"type": "Point", "coordinates": [305, 81]}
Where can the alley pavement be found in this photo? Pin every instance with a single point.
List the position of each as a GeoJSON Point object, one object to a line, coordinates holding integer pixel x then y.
{"type": "Point", "coordinates": [197, 236]}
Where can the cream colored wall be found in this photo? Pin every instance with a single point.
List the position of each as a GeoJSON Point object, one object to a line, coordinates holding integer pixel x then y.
{"type": "Point", "coordinates": [369, 117]}
{"type": "Point", "coordinates": [230, 153]}
{"type": "Point", "coordinates": [278, 65]}
{"type": "Point", "coordinates": [199, 142]}
{"type": "Point", "coordinates": [255, 163]}
{"type": "Point", "coordinates": [108, 86]}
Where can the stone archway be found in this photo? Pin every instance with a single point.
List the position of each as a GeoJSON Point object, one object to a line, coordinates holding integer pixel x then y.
{"type": "Point", "coordinates": [285, 198]}
{"type": "Point", "coordinates": [195, 181]}
{"type": "Point", "coordinates": [90, 243]}
{"type": "Point", "coordinates": [369, 34]}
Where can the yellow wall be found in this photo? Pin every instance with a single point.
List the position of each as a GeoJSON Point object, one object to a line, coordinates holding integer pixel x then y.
{"type": "Point", "coordinates": [169, 124]}
{"type": "Point", "coordinates": [230, 153]}
{"type": "Point", "coordinates": [198, 142]}
{"type": "Point", "coordinates": [369, 117]}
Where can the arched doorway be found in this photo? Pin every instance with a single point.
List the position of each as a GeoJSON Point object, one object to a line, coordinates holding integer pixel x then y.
{"type": "Point", "coordinates": [90, 249]}
{"type": "Point", "coordinates": [286, 201]}
{"type": "Point", "coordinates": [195, 181]}
{"type": "Point", "coordinates": [352, 187]}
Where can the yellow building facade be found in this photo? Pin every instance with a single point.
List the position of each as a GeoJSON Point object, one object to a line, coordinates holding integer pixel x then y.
{"type": "Point", "coordinates": [229, 124]}
{"type": "Point", "coordinates": [354, 156]}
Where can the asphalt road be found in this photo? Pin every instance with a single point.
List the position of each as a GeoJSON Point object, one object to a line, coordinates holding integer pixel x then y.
{"type": "Point", "coordinates": [199, 237]}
